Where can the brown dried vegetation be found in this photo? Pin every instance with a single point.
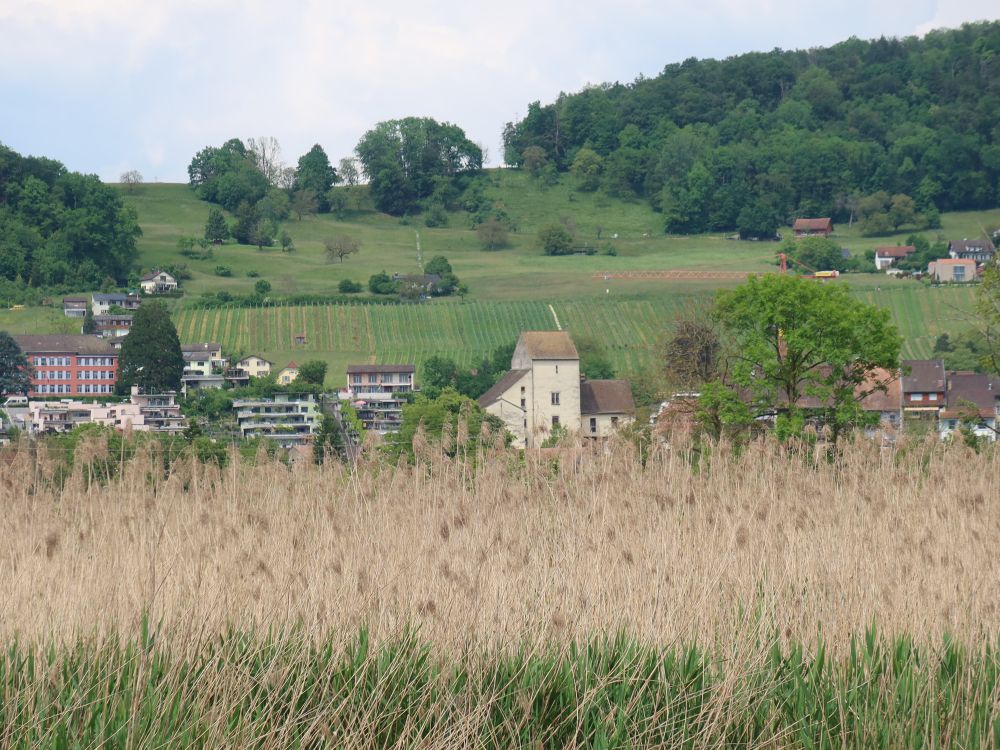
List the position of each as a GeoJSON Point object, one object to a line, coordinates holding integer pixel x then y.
{"type": "Point", "coordinates": [510, 551]}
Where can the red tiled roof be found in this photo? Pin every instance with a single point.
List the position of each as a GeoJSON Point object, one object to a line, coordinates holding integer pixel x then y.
{"type": "Point", "coordinates": [900, 251]}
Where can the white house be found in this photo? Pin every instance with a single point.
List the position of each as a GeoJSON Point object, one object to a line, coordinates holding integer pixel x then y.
{"type": "Point", "coordinates": [254, 366]}
{"type": "Point", "coordinates": [158, 282]}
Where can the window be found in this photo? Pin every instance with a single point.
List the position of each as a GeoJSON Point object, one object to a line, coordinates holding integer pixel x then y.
{"type": "Point", "coordinates": [593, 424]}
{"type": "Point", "coordinates": [371, 378]}
{"type": "Point", "coordinates": [387, 378]}
{"type": "Point", "coordinates": [524, 403]}
{"type": "Point", "coordinates": [356, 379]}
{"type": "Point", "coordinates": [555, 398]}
{"type": "Point", "coordinates": [916, 397]}
{"type": "Point", "coordinates": [932, 397]}
{"type": "Point", "coordinates": [522, 390]}
{"type": "Point", "coordinates": [555, 420]}
{"type": "Point", "coordinates": [959, 273]}
{"type": "Point", "coordinates": [557, 369]}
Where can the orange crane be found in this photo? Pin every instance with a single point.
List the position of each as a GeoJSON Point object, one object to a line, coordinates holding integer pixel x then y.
{"type": "Point", "coordinates": [783, 268]}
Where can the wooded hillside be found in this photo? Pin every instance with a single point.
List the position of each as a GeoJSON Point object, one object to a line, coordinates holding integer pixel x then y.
{"type": "Point", "coordinates": [753, 140]}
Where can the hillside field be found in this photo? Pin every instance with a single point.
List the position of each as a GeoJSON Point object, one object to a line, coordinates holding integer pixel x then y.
{"type": "Point", "coordinates": [630, 328]}
{"type": "Point", "coordinates": [520, 272]}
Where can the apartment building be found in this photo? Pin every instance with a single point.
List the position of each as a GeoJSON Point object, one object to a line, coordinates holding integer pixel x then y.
{"type": "Point", "coordinates": [64, 365]}
{"type": "Point", "coordinates": [377, 392]}
{"type": "Point", "coordinates": [289, 419]}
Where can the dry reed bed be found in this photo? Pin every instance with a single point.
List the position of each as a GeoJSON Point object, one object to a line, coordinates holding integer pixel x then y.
{"type": "Point", "coordinates": [512, 552]}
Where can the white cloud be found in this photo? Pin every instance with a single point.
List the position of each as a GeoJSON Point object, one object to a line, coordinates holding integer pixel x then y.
{"type": "Point", "coordinates": [150, 82]}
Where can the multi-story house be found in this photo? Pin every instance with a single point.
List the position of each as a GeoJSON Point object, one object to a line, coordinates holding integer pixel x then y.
{"type": "Point", "coordinates": [199, 371]}
{"type": "Point", "coordinates": [378, 394]}
{"type": "Point", "coordinates": [953, 270]}
{"type": "Point", "coordinates": [973, 402]}
{"type": "Point", "coordinates": [160, 412]}
{"type": "Point", "coordinates": [289, 419]}
{"type": "Point", "coordinates": [978, 250]}
{"type": "Point", "coordinates": [255, 366]}
{"type": "Point", "coordinates": [923, 388]}
{"type": "Point", "coordinates": [543, 391]}
{"type": "Point", "coordinates": [101, 304]}
{"type": "Point", "coordinates": [214, 351]}
{"type": "Point", "coordinates": [64, 365]}
{"type": "Point", "coordinates": [113, 326]}
{"type": "Point", "coordinates": [75, 307]}
{"type": "Point", "coordinates": [158, 282]}
{"type": "Point", "coordinates": [887, 256]}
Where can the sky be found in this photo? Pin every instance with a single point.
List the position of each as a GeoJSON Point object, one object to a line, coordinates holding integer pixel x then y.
{"type": "Point", "coordinates": [111, 85]}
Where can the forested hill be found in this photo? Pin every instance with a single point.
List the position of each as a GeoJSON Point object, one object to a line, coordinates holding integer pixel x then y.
{"type": "Point", "coordinates": [60, 229]}
{"type": "Point", "coordinates": [757, 139]}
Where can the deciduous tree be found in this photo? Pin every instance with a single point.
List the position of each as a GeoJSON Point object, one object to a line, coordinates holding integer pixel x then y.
{"type": "Point", "coordinates": [132, 180]}
{"type": "Point", "coordinates": [492, 234]}
{"type": "Point", "coordinates": [315, 173]}
{"type": "Point", "coordinates": [341, 247]}
{"type": "Point", "coordinates": [794, 338]}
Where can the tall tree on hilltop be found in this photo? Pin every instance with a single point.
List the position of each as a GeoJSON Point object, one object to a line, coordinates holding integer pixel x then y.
{"type": "Point", "coordinates": [151, 353]}
{"type": "Point", "coordinates": [404, 159]}
{"type": "Point", "coordinates": [315, 173]}
{"type": "Point", "coordinates": [15, 372]}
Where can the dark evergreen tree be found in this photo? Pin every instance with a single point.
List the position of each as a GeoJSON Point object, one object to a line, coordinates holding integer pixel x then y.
{"type": "Point", "coordinates": [89, 324]}
{"type": "Point", "coordinates": [216, 228]}
{"type": "Point", "coordinates": [151, 353]}
{"type": "Point", "coordinates": [15, 372]}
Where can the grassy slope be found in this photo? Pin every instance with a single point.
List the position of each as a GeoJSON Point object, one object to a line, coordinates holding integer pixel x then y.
{"type": "Point", "coordinates": [510, 289]}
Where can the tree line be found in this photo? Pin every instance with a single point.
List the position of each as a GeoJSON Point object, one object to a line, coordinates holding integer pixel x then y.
{"type": "Point", "coordinates": [61, 229]}
{"type": "Point", "coordinates": [888, 130]}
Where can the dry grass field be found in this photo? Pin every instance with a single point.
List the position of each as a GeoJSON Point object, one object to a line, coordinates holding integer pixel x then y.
{"type": "Point", "coordinates": [763, 561]}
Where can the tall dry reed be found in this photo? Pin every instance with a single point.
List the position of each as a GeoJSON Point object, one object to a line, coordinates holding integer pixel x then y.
{"type": "Point", "coordinates": [512, 551]}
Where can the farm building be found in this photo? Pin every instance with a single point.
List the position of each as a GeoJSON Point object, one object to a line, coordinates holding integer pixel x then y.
{"type": "Point", "coordinates": [813, 227]}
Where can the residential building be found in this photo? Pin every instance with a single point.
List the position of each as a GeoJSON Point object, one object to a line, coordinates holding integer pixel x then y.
{"type": "Point", "coordinates": [214, 350]}
{"type": "Point", "coordinates": [142, 412]}
{"type": "Point", "coordinates": [605, 406]}
{"type": "Point", "coordinates": [813, 227]}
{"type": "Point", "coordinates": [199, 371]}
{"type": "Point", "coordinates": [255, 366]}
{"type": "Point", "coordinates": [973, 401]}
{"type": "Point", "coordinates": [378, 394]}
{"type": "Point", "coordinates": [158, 282]}
{"type": "Point", "coordinates": [64, 415]}
{"type": "Point", "coordinates": [75, 307]}
{"type": "Point", "coordinates": [951, 270]}
{"type": "Point", "coordinates": [113, 326]}
{"type": "Point", "coordinates": [288, 374]}
{"type": "Point", "coordinates": [69, 364]}
{"type": "Point", "coordinates": [101, 304]}
{"type": "Point", "coordinates": [160, 412]}
{"type": "Point", "coordinates": [543, 391]}
{"type": "Point", "coordinates": [288, 419]}
{"type": "Point", "coordinates": [977, 250]}
{"type": "Point", "coordinates": [888, 255]}
{"type": "Point", "coordinates": [882, 394]}
{"type": "Point", "coordinates": [923, 387]}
